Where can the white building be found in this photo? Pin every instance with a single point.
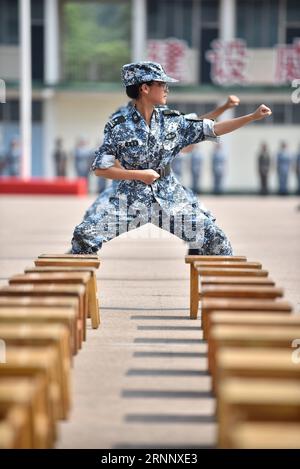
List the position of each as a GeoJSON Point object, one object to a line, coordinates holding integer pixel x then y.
{"type": "Point", "coordinates": [75, 90]}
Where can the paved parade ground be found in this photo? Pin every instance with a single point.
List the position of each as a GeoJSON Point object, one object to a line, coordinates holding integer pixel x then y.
{"type": "Point", "coordinates": [141, 379]}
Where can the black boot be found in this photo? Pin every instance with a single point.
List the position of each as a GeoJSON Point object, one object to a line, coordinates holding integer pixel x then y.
{"type": "Point", "coordinates": [194, 252]}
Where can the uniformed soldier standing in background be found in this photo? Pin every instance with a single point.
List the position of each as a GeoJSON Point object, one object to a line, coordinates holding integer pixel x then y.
{"type": "Point", "coordinates": [137, 150]}
{"type": "Point", "coordinates": [264, 163]}
{"type": "Point", "coordinates": [82, 155]}
{"type": "Point", "coordinates": [283, 168]}
{"type": "Point", "coordinates": [196, 158]}
{"type": "Point", "coordinates": [60, 159]}
{"type": "Point", "coordinates": [13, 158]}
{"type": "Point", "coordinates": [2, 156]}
{"type": "Point", "coordinates": [218, 169]}
{"type": "Point", "coordinates": [297, 169]}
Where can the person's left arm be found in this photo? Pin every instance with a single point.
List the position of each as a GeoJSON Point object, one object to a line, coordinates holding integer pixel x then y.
{"type": "Point", "coordinates": [197, 130]}
{"type": "Point", "coordinates": [225, 127]}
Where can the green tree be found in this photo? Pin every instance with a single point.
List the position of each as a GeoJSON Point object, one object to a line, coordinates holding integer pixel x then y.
{"type": "Point", "coordinates": [96, 40]}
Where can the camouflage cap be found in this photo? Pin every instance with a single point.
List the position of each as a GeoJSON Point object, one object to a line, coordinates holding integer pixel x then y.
{"type": "Point", "coordinates": [141, 72]}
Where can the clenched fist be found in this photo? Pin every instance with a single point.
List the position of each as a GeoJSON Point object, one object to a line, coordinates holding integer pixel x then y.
{"type": "Point", "coordinates": [148, 176]}
{"type": "Point", "coordinates": [232, 101]}
{"type": "Point", "coordinates": [261, 112]}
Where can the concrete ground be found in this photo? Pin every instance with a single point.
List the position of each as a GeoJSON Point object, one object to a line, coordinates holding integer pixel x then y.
{"type": "Point", "coordinates": [141, 379]}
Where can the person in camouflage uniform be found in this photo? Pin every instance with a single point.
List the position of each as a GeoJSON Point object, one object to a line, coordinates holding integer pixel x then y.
{"type": "Point", "coordinates": [96, 206]}
{"type": "Point", "coordinates": [137, 150]}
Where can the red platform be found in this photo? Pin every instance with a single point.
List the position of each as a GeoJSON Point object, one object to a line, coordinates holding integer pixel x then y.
{"type": "Point", "coordinates": [57, 186]}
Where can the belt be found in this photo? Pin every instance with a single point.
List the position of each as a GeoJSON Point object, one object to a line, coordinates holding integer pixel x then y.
{"type": "Point", "coordinates": [164, 171]}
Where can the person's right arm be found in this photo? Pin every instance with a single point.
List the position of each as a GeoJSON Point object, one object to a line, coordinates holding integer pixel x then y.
{"type": "Point", "coordinates": [148, 176]}
{"type": "Point", "coordinates": [106, 163]}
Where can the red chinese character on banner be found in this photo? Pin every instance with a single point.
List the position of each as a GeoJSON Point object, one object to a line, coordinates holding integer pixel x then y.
{"type": "Point", "coordinates": [288, 62]}
{"type": "Point", "coordinates": [156, 51]}
{"type": "Point", "coordinates": [228, 62]}
{"type": "Point", "coordinates": [172, 54]}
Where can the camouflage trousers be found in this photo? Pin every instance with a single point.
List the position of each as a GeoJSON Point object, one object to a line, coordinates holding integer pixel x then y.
{"type": "Point", "coordinates": [116, 217]}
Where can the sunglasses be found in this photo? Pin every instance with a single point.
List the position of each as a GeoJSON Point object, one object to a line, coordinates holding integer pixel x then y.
{"type": "Point", "coordinates": [162, 84]}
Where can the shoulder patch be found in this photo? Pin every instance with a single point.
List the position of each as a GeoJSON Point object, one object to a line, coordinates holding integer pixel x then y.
{"type": "Point", "coordinates": [135, 117]}
{"type": "Point", "coordinates": [193, 118]}
{"type": "Point", "coordinates": [116, 121]}
{"type": "Point", "coordinates": [171, 112]}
